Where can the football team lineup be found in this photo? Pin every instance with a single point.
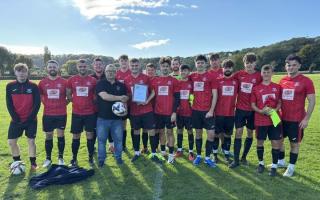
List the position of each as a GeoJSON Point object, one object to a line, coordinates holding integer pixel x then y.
{"type": "Point", "coordinates": [210, 103]}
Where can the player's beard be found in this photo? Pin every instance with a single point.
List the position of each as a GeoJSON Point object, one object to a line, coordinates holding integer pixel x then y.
{"type": "Point", "coordinates": [53, 73]}
{"type": "Point", "coordinates": [227, 73]}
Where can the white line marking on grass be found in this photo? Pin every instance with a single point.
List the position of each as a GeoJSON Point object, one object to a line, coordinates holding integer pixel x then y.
{"type": "Point", "coordinates": [158, 183]}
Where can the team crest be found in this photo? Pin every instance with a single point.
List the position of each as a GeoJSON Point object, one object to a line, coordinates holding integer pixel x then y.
{"type": "Point", "coordinates": [254, 80]}
{"type": "Point", "coordinates": [204, 79]}
{"type": "Point", "coordinates": [141, 81]}
{"type": "Point", "coordinates": [169, 82]}
{"type": "Point", "coordinates": [88, 83]}
{"type": "Point", "coordinates": [59, 85]}
{"type": "Point", "coordinates": [296, 84]}
{"type": "Point", "coordinates": [274, 89]}
{"type": "Point", "coordinates": [118, 88]}
{"type": "Point", "coordinates": [29, 91]}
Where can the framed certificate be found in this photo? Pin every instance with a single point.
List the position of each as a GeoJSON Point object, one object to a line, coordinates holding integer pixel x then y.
{"type": "Point", "coordinates": [140, 92]}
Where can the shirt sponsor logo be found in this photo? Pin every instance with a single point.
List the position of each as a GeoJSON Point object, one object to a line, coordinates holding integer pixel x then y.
{"type": "Point", "coordinates": [254, 80]}
{"type": "Point", "coordinates": [246, 87]}
{"type": "Point", "coordinates": [198, 86]}
{"type": "Point", "coordinates": [163, 90]}
{"type": "Point", "coordinates": [29, 91]}
{"type": "Point", "coordinates": [184, 94]}
{"type": "Point", "coordinates": [288, 94]}
{"type": "Point", "coordinates": [82, 91]}
{"type": "Point", "coordinates": [53, 93]}
{"type": "Point", "coordinates": [268, 96]}
{"type": "Point", "coordinates": [227, 90]}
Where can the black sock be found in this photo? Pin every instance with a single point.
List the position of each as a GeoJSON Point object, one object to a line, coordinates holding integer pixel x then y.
{"type": "Point", "coordinates": [226, 143]}
{"type": "Point", "coordinates": [136, 142]}
{"type": "Point", "coordinates": [209, 145]}
{"type": "Point", "coordinates": [281, 155]}
{"type": "Point", "coordinates": [171, 149]}
{"type": "Point", "coordinates": [48, 147]}
{"type": "Point", "coordinates": [124, 139]}
{"type": "Point", "coordinates": [90, 147]}
{"type": "Point", "coordinates": [163, 147]}
{"type": "Point", "coordinates": [275, 155]}
{"type": "Point", "coordinates": [260, 152]}
{"type": "Point", "coordinates": [110, 137]}
{"type": "Point", "coordinates": [32, 160]}
{"type": "Point", "coordinates": [75, 148]}
{"type": "Point", "coordinates": [152, 140]}
{"type": "Point", "coordinates": [293, 158]}
{"type": "Point", "coordinates": [215, 145]}
{"type": "Point", "coordinates": [236, 149]}
{"type": "Point", "coordinates": [157, 139]}
{"type": "Point", "coordinates": [94, 137]}
{"type": "Point", "coordinates": [61, 145]}
{"type": "Point", "coordinates": [145, 139]}
{"type": "Point", "coordinates": [132, 137]}
{"type": "Point", "coordinates": [199, 146]}
{"type": "Point", "coordinates": [247, 146]}
{"type": "Point", "coordinates": [191, 141]}
{"type": "Point", "coordinates": [179, 140]}
{"type": "Point", "coordinates": [16, 158]}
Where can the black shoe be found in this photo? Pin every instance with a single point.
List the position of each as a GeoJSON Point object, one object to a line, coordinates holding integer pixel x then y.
{"type": "Point", "coordinates": [155, 159]}
{"type": "Point", "coordinates": [135, 157]}
{"type": "Point", "coordinates": [244, 161]}
{"type": "Point", "coordinates": [91, 162]}
{"type": "Point", "coordinates": [73, 163]}
{"type": "Point", "coordinates": [119, 161]}
{"type": "Point", "coordinates": [273, 172]}
{"type": "Point", "coordinates": [216, 159]}
{"type": "Point", "coordinates": [228, 160]}
{"type": "Point", "coordinates": [234, 164]}
{"type": "Point", "coordinates": [101, 164]}
{"type": "Point", "coordinates": [260, 168]}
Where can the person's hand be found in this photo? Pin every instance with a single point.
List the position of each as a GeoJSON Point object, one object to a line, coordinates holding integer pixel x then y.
{"type": "Point", "coordinates": [266, 111]}
{"type": "Point", "coordinates": [173, 117]}
{"type": "Point", "coordinates": [209, 114]}
{"type": "Point", "coordinates": [304, 123]}
{"type": "Point", "coordinates": [124, 98]}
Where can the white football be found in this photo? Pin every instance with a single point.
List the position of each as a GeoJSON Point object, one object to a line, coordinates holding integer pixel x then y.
{"type": "Point", "coordinates": [17, 167]}
{"type": "Point", "coordinates": [119, 109]}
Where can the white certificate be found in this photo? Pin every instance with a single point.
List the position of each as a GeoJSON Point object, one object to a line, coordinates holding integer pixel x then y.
{"type": "Point", "coordinates": [140, 92]}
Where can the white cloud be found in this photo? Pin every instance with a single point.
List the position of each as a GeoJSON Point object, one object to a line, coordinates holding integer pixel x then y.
{"type": "Point", "coordinates": [149, 44]}
{"type": "Point", "coordinates": [148, 34]}
{"type": "Point", "coordinates": [162, 13]}
{"type": "Point", "coordinates": [194, 6]}
{"type": "Point", "coordinates": [120, 8]}
{"type": "Point", "coordinates": [181, 5]}
{"type": "Point", "coordinates": [20, 49]}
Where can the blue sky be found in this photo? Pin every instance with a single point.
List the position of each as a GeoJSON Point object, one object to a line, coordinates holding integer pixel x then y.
{"type": "Point", "coordinates": [149, 28]}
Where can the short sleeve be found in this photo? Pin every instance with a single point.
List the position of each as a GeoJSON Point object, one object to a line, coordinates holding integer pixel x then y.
{"type": "Point", "coordinates": [309, 87]}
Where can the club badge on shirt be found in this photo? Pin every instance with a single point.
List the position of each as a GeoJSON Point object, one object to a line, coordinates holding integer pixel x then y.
{"type": "Point", "coordinates": [53, 93]}
{"type": "Point", "coordinates": [198, 86]}
{"type": "Point", "coordinates": [288, 94]}
{"type": "Point", "coordinates": [227, 90]}
{"type": "Point", "coordinates": [246, 87]}
{"type": "Point", "coordinates": [82, 91]}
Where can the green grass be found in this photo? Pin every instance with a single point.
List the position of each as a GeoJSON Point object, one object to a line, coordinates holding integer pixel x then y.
{"type": "Point", "coordinates": [145, 180]}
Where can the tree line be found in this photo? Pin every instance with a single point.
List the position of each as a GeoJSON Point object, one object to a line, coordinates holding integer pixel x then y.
{"type": "Point", "coordinates": [307, 48]}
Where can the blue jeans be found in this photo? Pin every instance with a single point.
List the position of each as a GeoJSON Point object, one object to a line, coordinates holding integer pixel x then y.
{"type": "Point", "coordinates": [104, 127]}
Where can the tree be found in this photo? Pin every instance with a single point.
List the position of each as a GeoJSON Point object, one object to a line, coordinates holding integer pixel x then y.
{"type": "Point", "coordinates": [6, 59]}
{"type": "Point", "coordinates": [46, 55]}
{"type": "Point", "coordinates": [71, 67]}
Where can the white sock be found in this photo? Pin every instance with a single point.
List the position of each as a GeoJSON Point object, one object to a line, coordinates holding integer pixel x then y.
{"type": "Point", "coordinates": [111, 144]}
{"type": "Point", "coordinates": [179, 149]}
{"type": "Point", "coordinates": [153, 154]}
{"type": "Point", "coordinates": [207, 158]}
{"type": "Point", "coordinates": [190, 151]}
{"type": "Point", "coordinates": [226, 152]}
{"type": "Point", "coordinates": [137, 153]}
{"type": "Point", "coordinates": [274, 165]}
{"type": "Point", "coordinates": [261, 162]}
{"type": "Point", "coordinates": [215, 150]}
{"type": "Point", "coordinates": [282, 161]}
